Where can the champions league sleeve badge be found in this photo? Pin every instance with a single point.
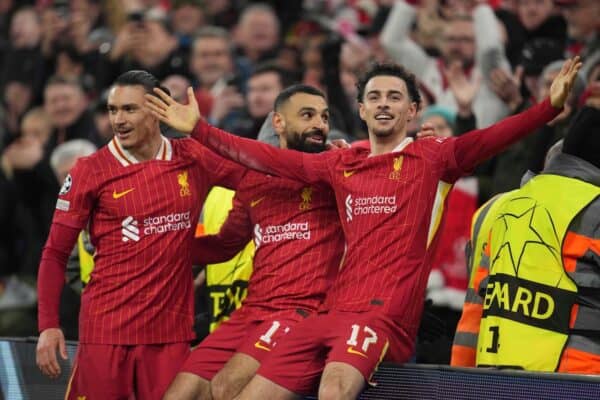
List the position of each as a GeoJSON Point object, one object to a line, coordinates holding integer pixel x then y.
{"type": "Point", "coordinates": [66, 185]}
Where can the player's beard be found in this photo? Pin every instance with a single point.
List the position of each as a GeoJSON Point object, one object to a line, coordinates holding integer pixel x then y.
{"type": "Point", "coordinates": [299, 141]}
{"type": "Point", "coordinates": [383, 132]}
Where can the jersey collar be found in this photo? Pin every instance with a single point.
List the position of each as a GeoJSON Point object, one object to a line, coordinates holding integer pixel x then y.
{"type": "Point", "coordinates": [165, 152]}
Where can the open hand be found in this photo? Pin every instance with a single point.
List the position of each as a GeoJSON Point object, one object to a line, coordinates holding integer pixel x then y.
{"type": "Point", "coordinates": [181, 117]}
{"type": "Point", "coordinates": [463, 89]}
{"type": "Point", "coordinates": [51, 340]}
{"type": "Point", "coordinates": [562, 84]}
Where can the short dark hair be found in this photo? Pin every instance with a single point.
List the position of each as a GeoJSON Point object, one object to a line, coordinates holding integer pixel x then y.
{"type": "Point", "coordinates": [61, 80]}
{"type": "Point", "coordinates": [288, 92]}
{"type": "Point", "coordinates": [389, 69]}
{"type": "Point", "coordinates": [142, 78]}
{"type": "Point", "coordinates": [285, 77]}
{"type": "Point", "coordinates": [211, 31]}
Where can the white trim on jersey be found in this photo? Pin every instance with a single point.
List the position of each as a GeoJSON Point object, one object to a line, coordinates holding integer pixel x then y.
{"type": "Point", "coordinates": [437, 210]}
{"type": "Point", "coordinates": [165, 152]}
{"type": "Point", "coordinates": [401, 146]}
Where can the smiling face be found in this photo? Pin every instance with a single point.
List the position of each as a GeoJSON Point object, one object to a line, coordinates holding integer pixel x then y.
{"type": "Point", "coordinates": [386, 106]}
{"type": "Point", "coordinates": [302, 123]}
{"type": "Point", "coordinates": [133, 126]}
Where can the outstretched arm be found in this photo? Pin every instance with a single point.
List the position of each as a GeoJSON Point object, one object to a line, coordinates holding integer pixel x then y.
{"type": "Point", "coordinates": [309, 168]}
{"type": "Point", "coordinates": [476, 146]}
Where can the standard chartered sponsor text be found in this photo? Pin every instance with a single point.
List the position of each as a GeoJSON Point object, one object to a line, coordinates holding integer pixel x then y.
{"type": "Point", "coordinates": [374, 205]}
{"type": "Point", "coordinates": [167, 223]}
{"type": "Point", "coordinates": [289, 231]}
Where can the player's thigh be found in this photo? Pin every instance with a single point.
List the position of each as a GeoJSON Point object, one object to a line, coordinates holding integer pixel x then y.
{"type": "Point", "coordinates": [156, 367]}
{"type": "Point", "coordinates": [101, 372]}
{"type": "Point", "coordinates": [265, 335]}
{"type": "Point", "coordinates": [297, 362]}
{"type": "Point", "coordinates": [188, 386]}
{"type": "Point", "coordinates": [236, 374]}
{"type": "Point", "coordinates": [263, 388]}
{"type": "Point", "coordinates": [216, 349]}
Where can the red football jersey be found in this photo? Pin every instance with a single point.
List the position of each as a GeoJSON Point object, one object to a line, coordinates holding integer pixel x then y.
{"type": "Point", "coordinates": [298, 239]}
{"type": "Point", "coordinates": [142, 217]}
{"type": "Point", "coordinates": [390, 205]}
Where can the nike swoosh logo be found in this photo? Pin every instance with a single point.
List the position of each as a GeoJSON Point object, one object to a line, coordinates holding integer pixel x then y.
{"type": "Point", "coordinates": [259, 345]}
{"type": "Point", "coordinates": [121, 194]}
{"type": "Point", "coordinates": [254, 203]}
{"type": "Point", "coordinates": [348, 174]}
{"type": "Point", "coordinates": [358, 353]}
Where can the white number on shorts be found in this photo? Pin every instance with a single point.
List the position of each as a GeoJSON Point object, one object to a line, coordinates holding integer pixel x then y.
{"type": "Point", "coordinates": [371, 339]}
{"type": "Point", "coordinates": [268, 336]}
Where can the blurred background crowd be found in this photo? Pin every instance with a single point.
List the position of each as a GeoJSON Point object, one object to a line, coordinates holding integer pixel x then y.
{"type": "Point", "coordinates": [477, 61]}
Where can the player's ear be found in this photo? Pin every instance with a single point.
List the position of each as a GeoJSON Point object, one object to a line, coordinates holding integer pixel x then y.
{"type": "Point", "coordinates": [278, 123]}
{"type": "Point", "coordinates": [412, 110]}
{"type": "Point", "coordinates": [361, 111]}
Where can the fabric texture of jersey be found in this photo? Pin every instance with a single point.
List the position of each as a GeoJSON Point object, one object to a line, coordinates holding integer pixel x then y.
{"type": "Point", "coordinates": [390, 205]}
{"type": "Point", "coordinates": [361, 340]}
{"type": "Point", "coordinates": [142, 217]}
{"type": "Point", "coordinates": [297, 238]}
{"type": "Point", "coordinates": [242, 333]}
{"type": "Point", "coordinates": [103, 371]}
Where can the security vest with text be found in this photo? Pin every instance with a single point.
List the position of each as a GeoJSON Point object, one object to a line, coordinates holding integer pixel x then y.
{"type": "Point", "coordinates": [529, 296]}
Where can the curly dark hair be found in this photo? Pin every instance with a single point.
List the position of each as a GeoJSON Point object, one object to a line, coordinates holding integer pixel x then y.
{"type": "Point", "coordinates": [389, 69]}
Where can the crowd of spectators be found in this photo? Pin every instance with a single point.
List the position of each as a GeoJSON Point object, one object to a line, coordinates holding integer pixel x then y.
{"type": "Point", "coordinates": [477, 62]}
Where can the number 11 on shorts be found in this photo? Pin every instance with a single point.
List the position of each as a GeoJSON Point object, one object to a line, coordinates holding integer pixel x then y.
{"type": "Point", "coordinates": [267, 337]}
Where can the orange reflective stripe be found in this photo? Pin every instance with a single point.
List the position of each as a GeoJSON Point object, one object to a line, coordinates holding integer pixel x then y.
{"type": "Point", "coordinates": [199, 230]}
{"type": "Point", "coordinates": [470, 318]}
{"type": "Point", "coordinates": [480, 274]}
{"type": "Point", "coordinates": [462, 356]}
{"type": "Point", "coordinates": [579, 362]}
{"type": "Point", "coordinates": [573, 318]}
{"type": "Point", "coordinates": [575, 246]}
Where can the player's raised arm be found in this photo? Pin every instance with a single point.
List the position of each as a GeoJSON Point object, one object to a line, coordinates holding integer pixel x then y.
{"type": "Point", "coordinates": [309, 168]}
{"type": "Point", "coordinates": [479, 145]}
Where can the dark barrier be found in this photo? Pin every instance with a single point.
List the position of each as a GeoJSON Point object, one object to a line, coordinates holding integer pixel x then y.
{"type": "Point", "coordinates": [20, 379]}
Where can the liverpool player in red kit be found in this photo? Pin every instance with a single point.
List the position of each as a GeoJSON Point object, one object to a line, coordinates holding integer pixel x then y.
{"type": "Point", "coordinates": [140, 196]}
{"type": "Point", "coordinates": [298, 252]}
{"type": "Point", "coordinates": [390, 201]}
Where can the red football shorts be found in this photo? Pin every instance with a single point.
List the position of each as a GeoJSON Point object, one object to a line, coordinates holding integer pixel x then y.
{"type": "Point", "coordinates": [361, 340]}
{"type": "Point", "coordinates": [114, 372]}
{"type": "Point", "coordinates": [240, 334]}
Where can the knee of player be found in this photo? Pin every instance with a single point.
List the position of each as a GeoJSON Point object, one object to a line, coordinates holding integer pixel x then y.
{"type": "Point", "coordinates": [187, 387]}
{"type": "Point", "coordinates": [334, 389]}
